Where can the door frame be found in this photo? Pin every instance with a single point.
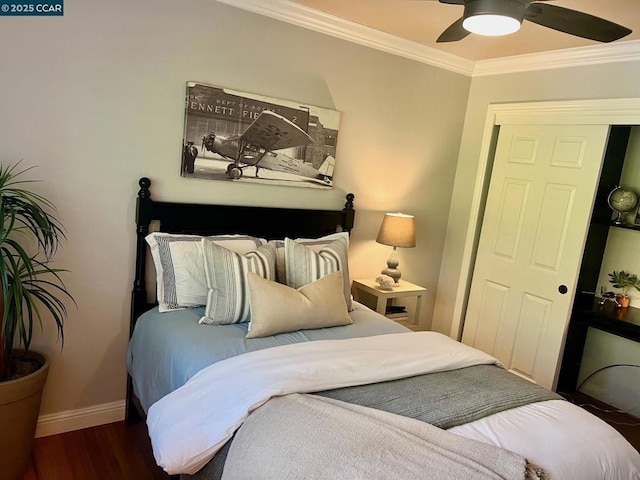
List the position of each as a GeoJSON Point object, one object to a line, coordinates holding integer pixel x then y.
{"type": "Point", "coordinates": [615, 111]}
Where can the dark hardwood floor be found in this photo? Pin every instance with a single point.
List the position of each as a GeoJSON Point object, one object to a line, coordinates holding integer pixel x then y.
{"type": "Point", "coordinates": [121, 452]}
{"type": "Point", "coordinates": [115, 451]}
{"type": "Point", "coordinates": [627, 425]}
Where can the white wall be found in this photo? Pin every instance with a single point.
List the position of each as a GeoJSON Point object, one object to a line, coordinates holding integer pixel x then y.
{"type": "Point", "coordinates": [96, 99]}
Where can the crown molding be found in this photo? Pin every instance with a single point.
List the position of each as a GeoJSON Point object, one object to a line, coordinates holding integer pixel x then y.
{"type": "Point", "coordinates": [570, 57]}
{"type": "Point", "coordinates": [311, 19]}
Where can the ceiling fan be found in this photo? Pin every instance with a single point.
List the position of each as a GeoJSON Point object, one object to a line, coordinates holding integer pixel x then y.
{"type": "Point", "coordinates": [500, 17]}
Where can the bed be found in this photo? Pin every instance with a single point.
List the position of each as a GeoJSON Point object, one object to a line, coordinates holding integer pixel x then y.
{"type": "Point", "coordinates": [255, 383]}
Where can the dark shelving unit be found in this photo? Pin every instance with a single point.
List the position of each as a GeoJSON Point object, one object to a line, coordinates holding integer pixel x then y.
{"type": "Point", "coordinates": [587, 311]}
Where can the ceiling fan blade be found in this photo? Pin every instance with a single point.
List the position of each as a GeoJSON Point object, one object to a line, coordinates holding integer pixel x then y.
{"type": "Point", "coordinates": [452, 2]}
{"type": "Point", "coordinates": [454, 33]}
{"type": "Point", "coordinates": [575, 23]}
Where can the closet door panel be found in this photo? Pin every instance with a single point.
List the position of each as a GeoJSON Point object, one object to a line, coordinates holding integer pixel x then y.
{"type": "Point", "coordinates": [539, 203]}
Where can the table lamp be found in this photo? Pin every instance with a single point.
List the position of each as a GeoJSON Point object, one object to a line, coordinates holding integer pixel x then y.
{"type": "Point", "coordinates": [397, 230]}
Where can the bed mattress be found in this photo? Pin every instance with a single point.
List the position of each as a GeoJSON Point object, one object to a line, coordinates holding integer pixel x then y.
{"type": "Point", "coordinates": [167, 349]}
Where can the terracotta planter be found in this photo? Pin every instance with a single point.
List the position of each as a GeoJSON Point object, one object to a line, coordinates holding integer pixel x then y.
{"type": "Point", "coordinates": [623, 300]}
{"type": "Point", "coordinates": [19, 409]}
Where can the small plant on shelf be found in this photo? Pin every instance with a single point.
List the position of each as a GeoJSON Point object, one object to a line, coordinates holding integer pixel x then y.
{"type": "Point", "coordinates": [624, 281]}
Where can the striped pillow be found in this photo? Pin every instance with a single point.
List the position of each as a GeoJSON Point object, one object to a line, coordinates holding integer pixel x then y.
{"type": "Point", "coordinates": [180, 279]}
{"type": "Point", "coordinates": [226, 275]}
{"type": "Point", "coordinates": [314, 244]}
{"type": "Point", "coordinates": [304, 266]}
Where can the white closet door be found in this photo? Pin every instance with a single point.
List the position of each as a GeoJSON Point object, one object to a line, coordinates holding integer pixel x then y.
{"type": "Point", "coordinates": [538, 208]}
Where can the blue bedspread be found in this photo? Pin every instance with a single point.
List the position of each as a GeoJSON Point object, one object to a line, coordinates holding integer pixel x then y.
{"type": "Point", "coordinates": [167, 349]}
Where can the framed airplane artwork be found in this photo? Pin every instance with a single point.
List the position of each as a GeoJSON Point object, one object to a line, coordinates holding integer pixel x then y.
{"type": "Point", "coordinates": [242, 137]}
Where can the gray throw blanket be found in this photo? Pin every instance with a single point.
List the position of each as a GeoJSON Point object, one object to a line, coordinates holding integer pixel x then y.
{"type": "Point", "coordinates": [447, 399]}
{"type": "Point", "coordinates": [310, 437]}
{"type": "Point", "coordinates": [444, 399]}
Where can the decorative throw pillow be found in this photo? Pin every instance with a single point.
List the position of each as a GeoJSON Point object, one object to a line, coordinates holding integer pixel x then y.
{"type": "Point", "coordinates": [315, 244]}
{"type": "Point", "coordinates": [226, 274]}
{"type": "Point", "coordinates": [276, 308]}
{"type": "Point", "coordinates": [180, 279]}
{"type": "Point", "coordinates": [304, 266]}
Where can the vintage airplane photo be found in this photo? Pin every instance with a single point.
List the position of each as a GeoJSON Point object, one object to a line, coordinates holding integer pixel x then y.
{"type": "Point", "coordinates": [270, 149]}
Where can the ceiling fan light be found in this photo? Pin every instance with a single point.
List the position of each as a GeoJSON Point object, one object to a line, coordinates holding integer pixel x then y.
{"type": "Point", "coordinates": [491, 25]}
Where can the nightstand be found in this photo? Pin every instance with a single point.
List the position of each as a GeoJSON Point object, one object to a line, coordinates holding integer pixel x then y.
{"type": "Point", "coordinates": [404, 289]}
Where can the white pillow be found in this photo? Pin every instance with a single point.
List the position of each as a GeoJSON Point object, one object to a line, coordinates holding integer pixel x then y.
{"type": "Point", "coordinates": [304, 266]}
{"type": "Point", "coordinates": [180, 280]}
{"type": "Point", "coordinates": [315, 244]}
{"type": "Point", "coordinates": [226, 274]}
{"type": "Point", "coordinates": [276, 308]}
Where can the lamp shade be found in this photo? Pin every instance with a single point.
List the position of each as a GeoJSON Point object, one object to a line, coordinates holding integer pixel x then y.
{"type": "Point", "coordinates": [397, 230]}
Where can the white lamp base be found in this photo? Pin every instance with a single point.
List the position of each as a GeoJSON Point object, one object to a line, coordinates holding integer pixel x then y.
{"type": "Point", "coordinates": [392, 267]}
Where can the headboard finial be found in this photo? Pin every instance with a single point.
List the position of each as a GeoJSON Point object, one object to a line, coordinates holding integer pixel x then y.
{"type": "Point", "coordinates": [349, 204]}
{"type": "Point", "coordinates": [349, 213]}
{"type": "Point", "coordinates": [144, 183]}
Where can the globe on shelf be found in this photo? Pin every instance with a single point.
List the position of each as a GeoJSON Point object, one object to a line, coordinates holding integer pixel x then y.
{"type": "Point", "coordinates": [622, 202]}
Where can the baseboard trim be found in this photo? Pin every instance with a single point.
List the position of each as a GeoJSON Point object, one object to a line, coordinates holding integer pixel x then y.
{"type": "Point", "coordinates": [70, 420]}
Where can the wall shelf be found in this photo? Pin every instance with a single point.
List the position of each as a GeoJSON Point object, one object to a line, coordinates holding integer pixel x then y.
{"type": "Point", "coordinates": [624, 322]}
{"type": "Point", "coordinates": [627, 226]}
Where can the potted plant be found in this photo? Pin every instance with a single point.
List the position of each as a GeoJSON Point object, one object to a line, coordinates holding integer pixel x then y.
{"type": "Point", "coordinates": [624, 281]}
{"type": "Point", "coordinates": [29, 237]}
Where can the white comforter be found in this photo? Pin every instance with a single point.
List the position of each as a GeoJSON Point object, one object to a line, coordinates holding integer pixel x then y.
{"type": "Point", "coordinates": [188, 426]}
{"type": "Point", "coordinates": [564, 439]}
